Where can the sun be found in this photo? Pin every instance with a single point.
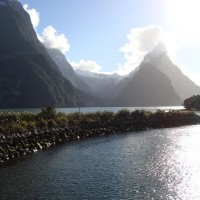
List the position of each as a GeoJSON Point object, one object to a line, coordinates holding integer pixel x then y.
{"type": "Point", "coordinates": [184, 16]}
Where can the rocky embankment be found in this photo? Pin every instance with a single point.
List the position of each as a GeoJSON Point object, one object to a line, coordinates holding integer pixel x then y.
{"type": "Point", "coordinates": [26, 133]}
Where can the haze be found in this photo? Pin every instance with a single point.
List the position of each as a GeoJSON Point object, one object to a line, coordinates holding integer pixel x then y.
{"type": "Point", "coordinates": [113, 36]}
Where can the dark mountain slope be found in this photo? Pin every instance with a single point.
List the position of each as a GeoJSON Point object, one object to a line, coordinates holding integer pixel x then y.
{"type": "Point", "coordinates": [67, 70]}
{"type": "Point", "coordinates": [28, 76]}
{"type": "Point", "coordinates": [157, 82]}
{"type": "Point", "coordinates": [23, 83]}
{"type": "Point", "coordinates": [183, 86]}
{"type": "Point", "coordinates": [148, 87]}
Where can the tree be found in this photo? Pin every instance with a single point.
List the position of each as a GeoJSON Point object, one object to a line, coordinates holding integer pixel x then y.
{"type": "Point", "coordinates": [192, 102]}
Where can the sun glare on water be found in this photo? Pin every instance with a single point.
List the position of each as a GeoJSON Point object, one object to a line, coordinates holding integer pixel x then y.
{"type": "Point", "coordinates": [185, 15]}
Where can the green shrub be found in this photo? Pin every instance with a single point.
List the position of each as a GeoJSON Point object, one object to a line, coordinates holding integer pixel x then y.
{"type": "Point", "coordinates": [107, 117]}
{"type": "Point", "coordinates": [62, 121]}
{"type": "Point", "coordinates": [9, 117]}
{"type": "Point", "coordinates": [27, 116]}
{"type": "Point", "coordinates": [75, 118]}
{"type": "Point", "coordinates": [47, 113]}
{"type": "Point", "coordinates": [17, 128]}
{"type": "Point", "coordinates": [192, 102]}
{"type": "Point", "coordinates": [51, 123]}
{"type": "Point", "coordinates": [42, 123]}
{"type": "Point", "coordinates": [31, 125]}
{"type": "Point", "coordinates": [123, 114]}
{"type": "Point", "coordinates": [140, 115]}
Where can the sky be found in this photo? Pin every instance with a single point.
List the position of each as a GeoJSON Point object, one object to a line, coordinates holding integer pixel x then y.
{"type": "Point", "coordinates": [113, 36]}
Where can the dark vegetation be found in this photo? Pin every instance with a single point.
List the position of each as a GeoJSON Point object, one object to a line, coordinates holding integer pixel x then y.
{"type": "Point", "coordinates": [192, 103]}
{"type": "Point", "coordinates": [28, 76]}
{"type": "Point", "coordinates": [25, 133]}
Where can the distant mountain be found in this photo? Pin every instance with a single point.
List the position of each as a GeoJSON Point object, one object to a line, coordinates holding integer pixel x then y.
{"type": "Point", "coordinates": [67, 70]}
{"type": "Point", "coordinates": [148, 87]}
{"type": "Point", "coordinates": [183, 86]}
{"type": "Point", "coordinates": [28, 75]}
{"type": "Point", "coordinates": [32, 77]}
{"type": "Point", "coordinates": [106, 86]}
{"type": "Point", "coordinates": [82, 89]}
{"type": "Point", "coordinates": [156, 82]}
{"type": "Point", "coordinates": [98, 75]}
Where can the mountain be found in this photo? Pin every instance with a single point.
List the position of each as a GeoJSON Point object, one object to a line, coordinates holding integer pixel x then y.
{"type": "Point", "coordinates": [67, 70]}
{"type": "Point", "coordinates": [149, 87]}
{"type": "Point", "coordinates": [156, 82]}
{"type": "Point", "coordinates": [106, 86]}
{"type": "Point", "coordinates": [183, 86]}
{"type": "Point", "coordinates": [82, 89]}
{"type": "Point", "coordinates": [97, 85]}
{"type": "Point", "coordinates": [101, 76]}
{"type": "Point", "coordinates": [32, 77]}
{"type": "Point", "coordinates": [28, 75]}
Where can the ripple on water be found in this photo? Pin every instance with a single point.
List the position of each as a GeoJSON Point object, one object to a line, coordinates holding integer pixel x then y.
{"type": "Point", "coordinates": [155, 164]}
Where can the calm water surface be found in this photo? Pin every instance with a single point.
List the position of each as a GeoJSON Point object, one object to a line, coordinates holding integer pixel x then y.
{"type": "Point", "coordinates": [154, 164]}
{"type": "Point", "coordinates": [95, 109]}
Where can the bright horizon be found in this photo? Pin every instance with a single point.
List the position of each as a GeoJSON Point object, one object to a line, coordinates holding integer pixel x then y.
{"type": "Point", "coordinates": [113, 36]}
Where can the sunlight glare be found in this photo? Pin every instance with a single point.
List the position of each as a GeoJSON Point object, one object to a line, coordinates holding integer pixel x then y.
{"type": "Point", "coordinates": [185, 16]}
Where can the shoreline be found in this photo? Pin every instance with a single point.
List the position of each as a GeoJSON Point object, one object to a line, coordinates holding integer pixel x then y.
{"type": "Point", "coordinates": [33, 132]}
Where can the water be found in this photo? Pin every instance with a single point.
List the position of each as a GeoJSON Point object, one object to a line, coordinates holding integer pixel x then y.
{"type": "Point", "coordinates": [95, 109]}
{"type": "Point", "coordinates": [154, 164]}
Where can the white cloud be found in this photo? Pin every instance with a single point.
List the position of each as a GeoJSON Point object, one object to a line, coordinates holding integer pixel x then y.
{"type": "Point", "coordinates": [140, 42]}
{"type": "Point", "coordinates": [51, 39]}
{"type": "Point", "coordinates": [34, 15]}
{"type": "Point", "coordinates": [88, 65]}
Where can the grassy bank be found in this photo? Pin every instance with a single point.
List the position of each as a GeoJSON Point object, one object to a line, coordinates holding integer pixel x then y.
{"type": "Point", "coordinates": [26, 133]}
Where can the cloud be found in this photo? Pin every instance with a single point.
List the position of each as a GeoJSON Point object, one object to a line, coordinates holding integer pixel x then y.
{"type": "Point", "coordinates": [51, 39]}
{"type": "Point", "coordinates": [88, 65]}
{"type": "Point", "coordinates": [34, 15]}
{"type": "Point", "coordinates": [140, 42]}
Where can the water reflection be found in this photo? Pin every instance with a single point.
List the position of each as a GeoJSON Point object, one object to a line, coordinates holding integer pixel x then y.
{"type": "Point", "coordinates": [155, 164]}
{"type": "Point", "coordinates": [177, 163]}
{"type": "Point", "coordinates": [188, 164]}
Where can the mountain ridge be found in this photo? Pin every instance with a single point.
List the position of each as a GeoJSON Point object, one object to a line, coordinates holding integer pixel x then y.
{"type": "Point", "coordinates": [22, 53]}
{"type": "Point", "coordinates": [157, 59]}
{"type": "Point", "coordinates": [67, 70]}
{"type": "Point", "coordinates": [149, 87]}
{"type": "Point", "coordinates": [33, 76]}
{"type": "Point", "coordinates": [182, 84]}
